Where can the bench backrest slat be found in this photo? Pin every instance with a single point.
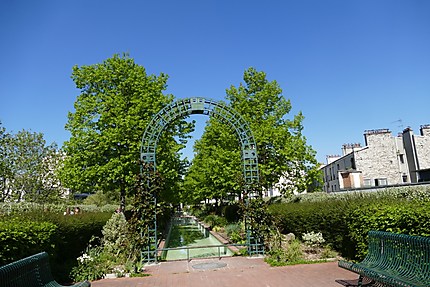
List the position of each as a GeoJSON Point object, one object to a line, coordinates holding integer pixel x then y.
{"type": "Point", "coordinates": [32, 271]}
{"type": "Point", "coordinates": [408, 255]}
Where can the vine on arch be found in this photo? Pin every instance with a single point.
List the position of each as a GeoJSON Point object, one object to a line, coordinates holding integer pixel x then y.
{"type": "Point", "coordinates": [149, 183]}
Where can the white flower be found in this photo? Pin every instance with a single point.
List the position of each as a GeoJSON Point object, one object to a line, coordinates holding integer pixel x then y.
{"type": "Point", "coordinates": [85, 257]}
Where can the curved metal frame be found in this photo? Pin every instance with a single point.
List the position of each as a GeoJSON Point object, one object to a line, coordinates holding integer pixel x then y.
{"type": "Point", "coordinates": [185, 107]}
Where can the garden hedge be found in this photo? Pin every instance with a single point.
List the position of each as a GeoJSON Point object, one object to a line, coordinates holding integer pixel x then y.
{"type": "Point", "coordinates": [63, 237]}
{"type": "Point", "coordinates": [345, 223]}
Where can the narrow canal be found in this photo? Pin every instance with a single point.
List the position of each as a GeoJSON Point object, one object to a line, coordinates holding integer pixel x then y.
{"type": "Point", "coordinates": [191, 240]}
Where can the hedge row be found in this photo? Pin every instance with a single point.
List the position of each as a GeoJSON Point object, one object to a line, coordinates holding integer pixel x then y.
{"type": "Point", "coordinates": [63, 237]}
{"type": "Point", "coordinates": [345, 223]}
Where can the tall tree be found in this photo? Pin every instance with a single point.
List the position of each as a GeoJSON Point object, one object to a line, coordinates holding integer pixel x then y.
{"type": "Point", "coordinates": [215, 171]}
{"type": "Point", "coordinates": [28, 168]}
{"type": "Point", "coordinates": [281, 146]}
{"type": "Point", "coordinates": [117, 101]}
{"type": "Point", "coordinates": [6, 174]}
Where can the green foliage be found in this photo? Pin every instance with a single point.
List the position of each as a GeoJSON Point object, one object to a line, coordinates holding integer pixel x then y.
{"type": "Point", "coordinates": [117, 101]}
{"type": "Point", "coordinates": [28, 168]}
{"type": "Point", "coordinates": [92, 265]}
{"type": "Point", "coordinates": [215, 220]}
{"type": "Point", "coordinates": [236, 232]}
{"type": "Point", "coordinates": [100, 199]}
{"type": "Point", "coordinates": [115, 234]}
{"type": "Point", "coordinates": [410, 218]}
{"type": "Point", "coordinates": [113, 254]}
{"type": "Point", "coordinates": [293, 254]}
{"type": "Point", "coordinates": [148, 185]}
{"type": "Point", "coordinates": [313, 239]}
{"type": "Point", "coordinates": [232, 212]}
{"type": "Point", "coordinates": [10, 208]}
{"type": "Point", "coordinates": [216, 171]}
{"type": "Point", "coordinates": [282, 149]}
{"type": "Point", "coordinates": [63, 237]}
{"type": "Point", "coordinates": [345, 221]}
{"type": "Point", "coordinates": [20, 238]}
{"type": "Point", "coordinates": [258, 218]}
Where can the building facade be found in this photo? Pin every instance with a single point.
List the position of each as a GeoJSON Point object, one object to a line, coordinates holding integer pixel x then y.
{"type": "Point", "coordinates": [384, 160]}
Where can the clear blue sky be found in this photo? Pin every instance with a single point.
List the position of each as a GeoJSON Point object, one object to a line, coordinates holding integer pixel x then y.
{"type": "Point", "coordinates": [348, 65]}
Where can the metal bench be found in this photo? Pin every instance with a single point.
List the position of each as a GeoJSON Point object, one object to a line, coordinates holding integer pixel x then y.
{"type": "Point", "coordinates": [31, 271]}
{"type": "Point", "coordinates": [394, 260]}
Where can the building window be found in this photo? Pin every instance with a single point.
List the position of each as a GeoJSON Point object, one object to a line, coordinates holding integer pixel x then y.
{"type": "Point", "coordinates": [338, 167]}
{"type": "Point", "coordinates": [380, 181]}
{"type": "Point", "coordinates": [367, 182]}
{"type": "Point", "coordinates": [402, 159]}
{"type": "Point", "coordinates": [353, 163]}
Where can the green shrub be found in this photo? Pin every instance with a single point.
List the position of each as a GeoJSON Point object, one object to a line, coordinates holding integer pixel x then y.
{"type": "Point", "coordinates": [291, 255]}
{"type": "Point", "coordinates": [215, 220]}
{"type": "Point", "coordinates": [344, 222]}
{"type": "Point", "coordinates": [232, 213]}
{"type": "Point", "coordinates": [26, 233]}
{"type": "Point", "coordinates": [412, 218]}
{"type": "Point", "coordinates": [235, 232]}
{"type": "Point", "coordinates": [20, 238]}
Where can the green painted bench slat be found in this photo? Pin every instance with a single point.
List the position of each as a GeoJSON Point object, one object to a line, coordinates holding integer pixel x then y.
{"type": "Point", "coordinates": [394, 260]}
{"type": "Point", "coordinates": [32, 271]}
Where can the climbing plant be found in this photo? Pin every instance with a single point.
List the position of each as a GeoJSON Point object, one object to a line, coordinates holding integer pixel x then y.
{"type": "Point", "coordinates": [149, 183]}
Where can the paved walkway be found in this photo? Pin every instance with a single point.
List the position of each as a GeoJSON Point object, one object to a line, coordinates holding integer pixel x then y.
{"type": "Point", "coordinates": [233, 271]}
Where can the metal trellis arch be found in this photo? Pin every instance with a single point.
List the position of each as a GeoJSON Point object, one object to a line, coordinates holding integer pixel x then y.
{"type": "Point", "coordinates": [197, 105]}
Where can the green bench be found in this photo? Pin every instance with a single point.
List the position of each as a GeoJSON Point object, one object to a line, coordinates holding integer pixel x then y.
{"type": "Point", "coordinates": [394, 260]}
{"type": "Point", "coordinates": [31, 271]}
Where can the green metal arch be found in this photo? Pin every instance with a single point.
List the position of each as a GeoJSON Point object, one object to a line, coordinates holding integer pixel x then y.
{"type": "Point", "coordinates": [180, 109]}
{"type": "Point", "coordinates": [218, 110]}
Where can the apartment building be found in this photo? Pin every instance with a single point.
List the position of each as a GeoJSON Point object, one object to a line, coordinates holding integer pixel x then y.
{"type": "Point", "coordinates": [383, 160]}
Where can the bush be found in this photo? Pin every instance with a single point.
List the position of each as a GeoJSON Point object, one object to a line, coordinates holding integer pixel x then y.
{"type": "Point", "coordinates": [63, 237]}
{"type": "Point", "coordinates": [20, 238]}
{"type": "Point", "coordinates": [291, 255]}
{"type": "Point", "coordinates": [232, 213]}
{"type": "Point", "coordinates": [236, 232]}
{"type": "Point", "coordinates": [215, 220]}
{"type": "Point", "coordinates": [345, 222]}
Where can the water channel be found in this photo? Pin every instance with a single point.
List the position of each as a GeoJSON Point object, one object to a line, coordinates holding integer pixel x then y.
{"type": "Point", "coordinates": [189, 239]}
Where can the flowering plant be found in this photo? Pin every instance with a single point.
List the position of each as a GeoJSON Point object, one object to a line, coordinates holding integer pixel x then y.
{"type": "Point", "coordinates": [313, 239]}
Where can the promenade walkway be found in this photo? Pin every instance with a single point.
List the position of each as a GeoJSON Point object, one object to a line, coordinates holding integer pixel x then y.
{"type": "Point", "coordinates": [233, 272]}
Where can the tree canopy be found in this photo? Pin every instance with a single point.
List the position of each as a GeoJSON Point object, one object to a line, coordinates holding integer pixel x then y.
{"type": "Point", "coordinates": [28, 167]}
{"type": "Point", "coordinates": [118, 99]}
{"type": "Point", "coordinates": [281, 146]}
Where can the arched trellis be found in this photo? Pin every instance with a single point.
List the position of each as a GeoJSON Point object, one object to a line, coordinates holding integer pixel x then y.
{"type": "Point", "coordinates": [180, 109]}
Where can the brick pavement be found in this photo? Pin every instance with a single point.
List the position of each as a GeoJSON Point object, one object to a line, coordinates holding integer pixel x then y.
{"type": "Point", "coordinates": [237, 272]}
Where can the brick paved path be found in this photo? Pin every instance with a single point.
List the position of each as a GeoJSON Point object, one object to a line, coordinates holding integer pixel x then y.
{"type": "Point", "coordinates": [237, 272]}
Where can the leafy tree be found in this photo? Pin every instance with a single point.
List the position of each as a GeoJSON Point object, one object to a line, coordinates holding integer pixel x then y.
{"type": "Point", "coordinates": [5, 165]}
{"type": "Point", "coordinates": [281, 146]}
{"type": "Point", "coordinates": [117, 101]}
{"type": "Point", "coordinates": [28, 167]}
{"type": "Point", "coordinates": [215, 171]}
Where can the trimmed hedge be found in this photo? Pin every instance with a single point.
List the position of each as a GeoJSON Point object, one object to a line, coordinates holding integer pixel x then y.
{"type": "Point", "coordinates": [345, 223]}
{"type": "Point", "coordinates": [63, 237]}
{"type": "Point", "coordinates": [21, 238]}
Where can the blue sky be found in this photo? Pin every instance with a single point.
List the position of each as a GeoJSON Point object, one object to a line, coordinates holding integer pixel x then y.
{"type": "Point", "coordinates": [348, 65]}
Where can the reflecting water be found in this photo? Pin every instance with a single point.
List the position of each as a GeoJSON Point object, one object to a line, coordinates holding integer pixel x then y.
{"type": "Point", "coordinates": [190, 235]}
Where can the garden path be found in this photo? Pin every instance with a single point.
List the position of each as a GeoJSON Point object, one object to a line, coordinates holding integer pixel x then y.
{"type": "Point", "coordinates": [233, 271]}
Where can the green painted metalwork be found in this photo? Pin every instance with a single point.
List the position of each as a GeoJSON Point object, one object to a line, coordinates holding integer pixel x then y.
{"type": "Point", "coordinates": [394, 260]}
{"type": "Point", "coordinates": [31, 271]}
{"type": "Point", "coordinates": [186, 107]}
